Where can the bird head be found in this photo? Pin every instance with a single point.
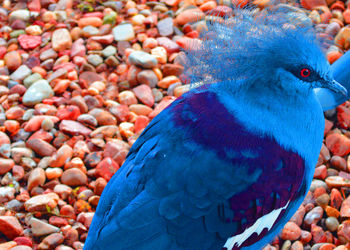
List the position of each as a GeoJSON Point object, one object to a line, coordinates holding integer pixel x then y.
{"type": "Point", "coordinates": [260, 51]}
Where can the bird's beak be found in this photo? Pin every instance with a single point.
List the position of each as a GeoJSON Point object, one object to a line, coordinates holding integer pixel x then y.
{"type": "Point", "coordinates": [336, 87]}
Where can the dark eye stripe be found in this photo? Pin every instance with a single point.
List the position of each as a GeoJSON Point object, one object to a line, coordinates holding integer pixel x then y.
{"type": "Point", "coordinates": [306, 73]}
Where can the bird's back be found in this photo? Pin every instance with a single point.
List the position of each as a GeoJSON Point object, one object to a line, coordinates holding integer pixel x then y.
{"type": "Point", "coordinates": [190, 182]}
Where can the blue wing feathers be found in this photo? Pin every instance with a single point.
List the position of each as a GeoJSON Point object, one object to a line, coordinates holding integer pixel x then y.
{"type": "Point", "coordinates": [171, 186]}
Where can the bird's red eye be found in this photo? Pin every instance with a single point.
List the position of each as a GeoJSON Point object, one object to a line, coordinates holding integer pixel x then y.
{"type": "Point", "coordinates": [305, 72]}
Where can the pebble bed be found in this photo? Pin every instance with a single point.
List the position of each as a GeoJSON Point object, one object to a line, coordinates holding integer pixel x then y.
{"type": "Point", "coordinates": [79, 81]}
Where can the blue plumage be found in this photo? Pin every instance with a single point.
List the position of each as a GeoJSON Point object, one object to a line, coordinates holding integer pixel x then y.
{"type": "Point", "coordinates": [228, 163]}
{"type": "Point", "coordinates": [341, 73]}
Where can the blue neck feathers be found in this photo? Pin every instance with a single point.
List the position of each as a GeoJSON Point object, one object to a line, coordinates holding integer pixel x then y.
{"type": "Point", "coordinates": [296, 121]}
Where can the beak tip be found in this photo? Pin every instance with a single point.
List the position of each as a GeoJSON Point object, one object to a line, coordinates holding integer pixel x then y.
{"type": "Point", "coordinates": [338, 88]}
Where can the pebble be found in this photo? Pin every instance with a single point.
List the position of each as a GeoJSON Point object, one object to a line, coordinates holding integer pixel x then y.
{"type": "Point", "coordinates": [168, 44]}
{"type": "Point", "coordinates": [21, 248]}
{"type": "Point", "coordinates": [103, 117]}
{"type": "Point", "coordinates": [108, 70]}
{"type": "Point", "coordinates": [35, 122]}
{"type": "Point", "coordinates": [95, 60]}
{"type": "Point", "coordinates": [123, 32]}
{"type": "Point", "coordinates": [36, 178]}
{"type": "Point", "coordinates": [74, 128]}
{"type": "Point", "coordinates": [5, 151]}
{"type": "Point", "coordinates": [127, 98]}
{"type": "Point", "coordinates": [345, 208]}
{"type": "Point", "coordinates": [106, 168]}
{"type": "Point", "coordinates": [337, 182]}
{"type": "Point", "coordinates": [41, 147]}
{"type": "Point", "coordinates": [23, 15]}
{"type": "Point", "coordinates": [291, 231]}
{"type": "Point", "coordinates": [7, 194]}
{"type": "Point", "coordinates": [117, 150]}
{"type": "Point", "coordinates": [344, 232]}
{"type": "Point", "coordinates": [143, 59]}
{"type": "Point", "coordinates": [147, 77]}
{"type": "Point", "coordinates": [29, 80]}
{"type": "Point", "coordinates": [87, 120]}
{"type": "Point", "coordinates": [91, 21]}
{"type": "Point", "coordinates": [313, 216]}
{"type": "Point", "coordinates": [167, 81]}
{"type": "Point", "coordinates": [48, 54]}
{"type": "Point", "coordinates": [29, 41]}
{"type": "Point", "coordinates": [73, 177]}
{"type": "Point", "coordinates": [6, 165]}
{"type": "Point", "coordinates": [109, 51]}
{"type": "Point", "coordinates": [41, 228]}
{"type": "Point", "coordinates": [78, 48]}
{"type": "Point", "coordinates": [37, 92]}
{"type": "Point", "coordinates": [53, 173]}
{"type": "Point", "coordinates": [34, 30]}
{"type": "Point", "coordinates": [21, 72]}
{"type": "Point", "coordinates": [10, 227]}
{"type": "Point", "coordinates": [89, 31]}
{"type": "Point", "coordinates": [12, 60]}
{"type": "Point", "coordinates": [165, 27]}
{"type": "Point", "coordinates": [61, 40]}
{"type": "Point", "coordinates": [62, 156]}
{"type": "Point", "coordinates": [51, 241]}
{"type": "Point", "coordinates": [189, 15]}
{"type": "Point", "coordinates": [332, 224]}
{"type": "Point", "coordinates": [144, 93]}
{"type": "Point", "coordinates": [338, 144]}
{"type": "Point", "coordinates": [47, 124]}
{"type": "Point", "coordinates": [42, 202]}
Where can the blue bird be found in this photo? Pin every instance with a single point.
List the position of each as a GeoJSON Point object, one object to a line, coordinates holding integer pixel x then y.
{"type": "Point", "coordinates": [227, 164]}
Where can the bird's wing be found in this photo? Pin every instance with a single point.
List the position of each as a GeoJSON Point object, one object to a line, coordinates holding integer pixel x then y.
{"type": "Point", "coordinates": [193, 162]}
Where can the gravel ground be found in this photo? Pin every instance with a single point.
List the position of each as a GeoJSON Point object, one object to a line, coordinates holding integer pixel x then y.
{"type": "Point", "coordinates": [79, 81]}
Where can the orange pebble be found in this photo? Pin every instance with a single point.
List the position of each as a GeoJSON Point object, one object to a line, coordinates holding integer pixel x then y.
{"type": "Point", "coordinates": [72, 75]}
{"type": "Point", "coordinates": [158, 73]}
{"type": "Point", "coordinates": [12, 47]}
{"type": "Point", "coordinates": [122, 68]}
{"type": "Point", "coordinates": [332, 212]}
{"type": "Point", "coordinates": [208, 6]}
{"type": "Point", "coordinates": [61, 86]}
{"type": "Point", "coordinates": [113, 77]}
{"type": "Point", "coordinates": [12, 126]}
{"type": "Point", "coordinates": [39, 70]}
{"type": "Point", "coordinates": [142, 37]}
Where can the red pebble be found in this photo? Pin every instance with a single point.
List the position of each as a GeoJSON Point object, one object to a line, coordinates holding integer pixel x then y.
{"type": "Point", "coordinates": [18, 172]}
{"type": "Point", "coordinates": [106, 168]}
{"type": "Point", "coordinates": [58, 221]}
{"type": "Point", "coordinates": [320, 172]}
{"type": "Point", "coordinates": [291, 231]}
{"type": "Point", "coordinates": [3, 51]}
{"type": "Point", "coordinates": [34, 5]}
{"type": "Point", "coordinates": [23, 241]}
{"type": "Point", "coordinates": [328, 126]}
{"type": "Point", "coordinates": [318, 235]}
{"type": "Point", "coordinates": [29, 42]}
{"type": "Point", "coordinates": [338, 144]}
{"type": "Point", "coordinates": [67, 211]}
{"type": "Point", "coordinates": [121, 112]}
{"type": "Point", "coordinates": [305, 236]}
{"type": "Point", "coordinates": [343, 114]}
{"type": "Point", "coordinates": [140, 123]}
{"type": "Point", "coordinates": [41, 134]}
{"type": "Point", "coordinates": [68, 113]}
{"type": "Point", "coordinates": [336, 198]}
